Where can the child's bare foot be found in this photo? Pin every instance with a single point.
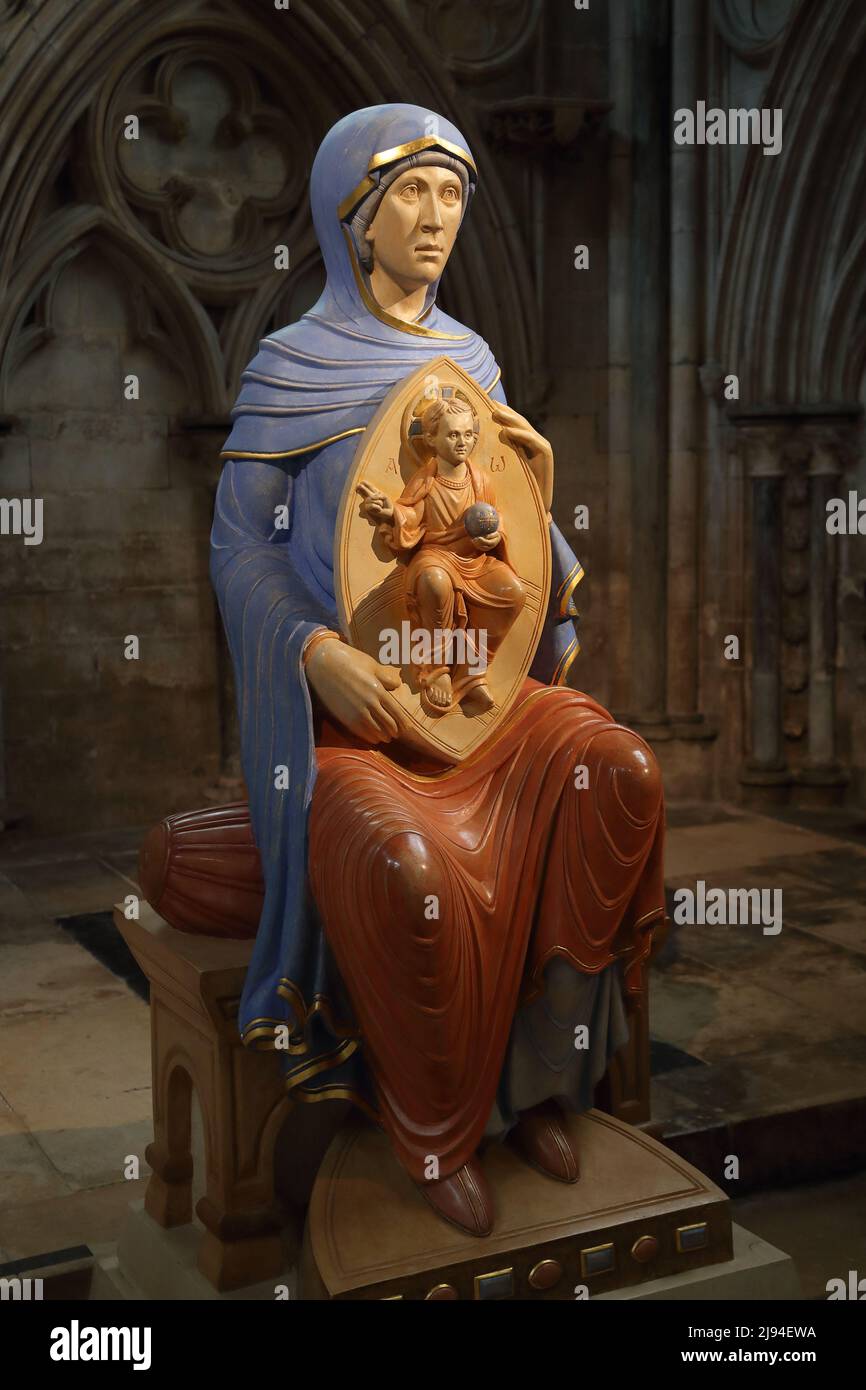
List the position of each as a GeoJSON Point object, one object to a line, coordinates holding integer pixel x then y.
{"type": "Point", "coordinates": [436, 693]}
{"type": "Point", "coordinates": [477, 700]}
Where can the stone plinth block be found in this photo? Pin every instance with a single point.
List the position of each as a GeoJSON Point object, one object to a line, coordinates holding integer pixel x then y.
{"type": "Point", "coordinates": [639, 1213]}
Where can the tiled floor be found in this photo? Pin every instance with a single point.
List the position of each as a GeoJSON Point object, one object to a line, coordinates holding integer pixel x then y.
{"type": "Point", "coordinates": [75, 1044]}
{"type": "Point", "coordinates": [778, 1020]}
{"type": "Point", "coordinates": [753, 1024]}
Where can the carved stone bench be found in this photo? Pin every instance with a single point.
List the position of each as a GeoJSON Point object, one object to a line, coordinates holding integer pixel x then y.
{"type": "Point", "coordinates": [196, 984]}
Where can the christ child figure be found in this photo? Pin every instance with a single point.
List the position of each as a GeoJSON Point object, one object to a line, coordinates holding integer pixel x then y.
{"type": "Point", "coordinates": [460, 588]}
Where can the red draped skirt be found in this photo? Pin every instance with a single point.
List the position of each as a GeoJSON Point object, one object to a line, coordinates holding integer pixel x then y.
{"type": "Point", "coordinates": [443, 897]}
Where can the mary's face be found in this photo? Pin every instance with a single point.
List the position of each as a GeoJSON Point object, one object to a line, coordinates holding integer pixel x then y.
{"type": "Point", "coordinates": [416, 225]}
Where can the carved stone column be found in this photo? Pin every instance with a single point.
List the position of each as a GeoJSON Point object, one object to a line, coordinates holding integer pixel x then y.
{"type": "Point", "coordinates": [685, 386]}
{"type": "Point", "coordinates": [766, 773]}
{"type": "Point", "coordinates": [619, 167]}
{"type": "Point", "coordinates": [650, 269]}
{"type": "Point", "coordinates": [822, 778]}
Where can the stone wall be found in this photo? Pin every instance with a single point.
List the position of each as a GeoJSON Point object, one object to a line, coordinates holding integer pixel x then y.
{"type": "Point", "coordinates": [91, 737]}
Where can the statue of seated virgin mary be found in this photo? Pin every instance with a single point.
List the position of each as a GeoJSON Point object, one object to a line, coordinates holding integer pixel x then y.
{"type": "Point", "coordinates": [452, 949]}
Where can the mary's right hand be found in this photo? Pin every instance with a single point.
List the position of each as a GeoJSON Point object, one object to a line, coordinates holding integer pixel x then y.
{"type": "Point", "coordinates": [355, 690]}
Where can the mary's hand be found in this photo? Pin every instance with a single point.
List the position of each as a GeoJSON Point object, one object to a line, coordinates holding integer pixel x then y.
{"type": "Point", "coordinates": [355, 690]}
{"type": "Point", "coordinates": [537, 450]}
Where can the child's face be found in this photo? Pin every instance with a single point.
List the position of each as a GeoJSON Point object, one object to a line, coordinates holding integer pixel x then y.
{"type": "Point", "coordinates": [454, 439]}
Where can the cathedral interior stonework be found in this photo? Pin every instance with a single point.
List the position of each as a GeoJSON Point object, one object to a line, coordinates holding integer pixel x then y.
{"type": "Point", "coordinates": [680, 312]}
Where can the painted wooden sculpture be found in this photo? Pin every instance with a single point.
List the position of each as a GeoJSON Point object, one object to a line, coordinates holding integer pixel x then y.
{"type": "Point", "coordinates": [452, 867]}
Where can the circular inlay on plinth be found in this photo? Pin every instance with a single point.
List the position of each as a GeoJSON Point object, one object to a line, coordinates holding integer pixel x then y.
{"type": "Point", "coordinates": [545, 1274]}
{"type": "Point", "coordinates": [442, 1291]}
{"type": "Point", "coordinates": [645, 1249]}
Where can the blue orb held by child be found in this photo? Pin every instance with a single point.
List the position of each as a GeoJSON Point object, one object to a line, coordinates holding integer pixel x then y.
{"type": "Point", "coordinates": [481, 519]}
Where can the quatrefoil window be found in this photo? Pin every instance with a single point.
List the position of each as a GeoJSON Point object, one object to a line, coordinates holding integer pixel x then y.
{"type": "Point", "coordinates": [210, 169]}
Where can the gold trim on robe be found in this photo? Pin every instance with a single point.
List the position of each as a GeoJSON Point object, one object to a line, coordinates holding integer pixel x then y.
{"type": "Point", "coordinates": [371, 305]}
{"type": "Point", "coordinates": [565, 663]}
{"type": "Point", "coordinates": [290, 453]}
{"type": "Point", "coordinates": [565, 592]}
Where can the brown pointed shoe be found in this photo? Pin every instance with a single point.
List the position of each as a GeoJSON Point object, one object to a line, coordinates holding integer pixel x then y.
{"type": "Point", "coordinates": [540, 1137]}
{"type": "Point", "coordinates": [463, 1198]}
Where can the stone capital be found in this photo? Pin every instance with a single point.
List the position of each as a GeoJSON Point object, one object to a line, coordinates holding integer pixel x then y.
{"type": "Point", "coordinates": [763, 447]}
{"type": "Point", "coordinates": [796, 450]}
{"type": "Point", "coordinates": [833, 448]}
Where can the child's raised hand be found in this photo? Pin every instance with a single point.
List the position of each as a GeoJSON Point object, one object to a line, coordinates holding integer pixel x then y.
{"type": "Point", "coordinates": [375, 506]}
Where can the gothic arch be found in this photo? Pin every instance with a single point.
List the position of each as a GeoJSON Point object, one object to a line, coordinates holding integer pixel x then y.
{"type": "Point", "coordinates": [792, 286]}
{"type": "Point", "coordinates": [338, 54]}
{"type": "Point", "coordinates": [65, 238]}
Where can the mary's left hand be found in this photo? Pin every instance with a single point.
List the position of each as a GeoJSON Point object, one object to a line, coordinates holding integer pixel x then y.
{"type": "Point", "coordinates": [538, 452]}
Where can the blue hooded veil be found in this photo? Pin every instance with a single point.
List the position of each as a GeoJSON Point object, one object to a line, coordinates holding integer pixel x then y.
{"type": "Point", "coordinates": [305, 398]}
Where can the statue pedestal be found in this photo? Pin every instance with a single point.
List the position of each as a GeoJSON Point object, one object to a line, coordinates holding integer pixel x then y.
{"type": "Point", "coordinates": [758, 1272]}
{"type": "Point", "coordinates": [369, 1234]}
{"type": "Point", "coordinates": [152, 1263]}
{"type": "Point", "coordinates": [639, 1215]}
